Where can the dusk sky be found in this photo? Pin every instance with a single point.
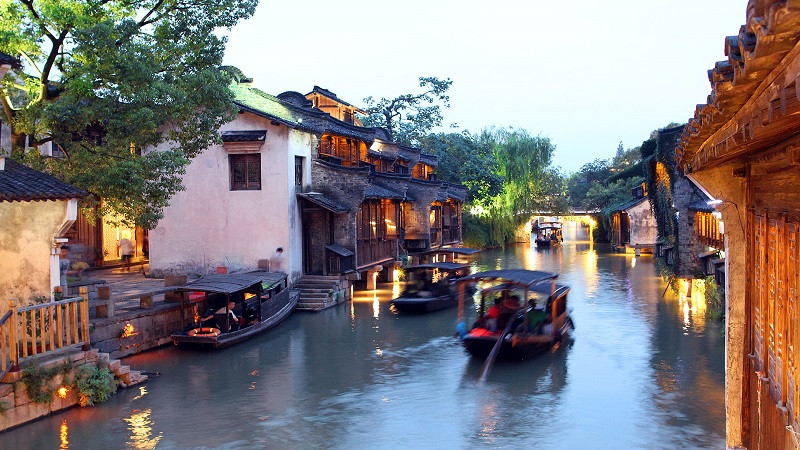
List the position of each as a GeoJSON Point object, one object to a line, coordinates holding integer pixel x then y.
{"type": "Point", "coordinates": [587, 74]}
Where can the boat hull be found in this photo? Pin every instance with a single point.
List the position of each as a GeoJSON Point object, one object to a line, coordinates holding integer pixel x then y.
{"type": "Point", "coordinates": [286, 303]}
{"type": "Point", "coordinates": [420, 305]}
{"type": "Point", "coordinates": [480, 347]}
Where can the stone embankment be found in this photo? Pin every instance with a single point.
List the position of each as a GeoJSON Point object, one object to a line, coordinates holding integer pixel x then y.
{"type": "Point", "coordinates": [61, 370]}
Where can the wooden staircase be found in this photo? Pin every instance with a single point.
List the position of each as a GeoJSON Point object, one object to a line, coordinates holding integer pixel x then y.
{"type": "Point", "coordinates": [317, 292]}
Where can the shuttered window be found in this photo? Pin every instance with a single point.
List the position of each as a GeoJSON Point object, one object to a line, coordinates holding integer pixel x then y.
{"type": "Point", "coordinates": [245, 172]}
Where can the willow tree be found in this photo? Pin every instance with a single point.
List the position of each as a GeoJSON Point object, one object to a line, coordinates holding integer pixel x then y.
{"type": "Point", "coordinates": [103, 79]}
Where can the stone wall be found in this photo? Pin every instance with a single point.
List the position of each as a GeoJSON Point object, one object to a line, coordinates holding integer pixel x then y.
{"type": "Point", "coordinates": [152, 328]}
{"type": "Point", "coordinates": [418, 217]}
{"type": "Point", "coordinates": [644, 231]}
{"type": "Point", "coordinates": [688, 243]}
{"type": "Point", "coordinates": [16, 406]}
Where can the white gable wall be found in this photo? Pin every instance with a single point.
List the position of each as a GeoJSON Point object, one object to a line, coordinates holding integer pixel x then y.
{"type": "Point", "coordinates": [209, 225]}
{"type": "Point", "coordinates": [643, 224]}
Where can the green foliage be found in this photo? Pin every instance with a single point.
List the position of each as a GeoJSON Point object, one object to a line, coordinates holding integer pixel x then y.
{"type": "Point", "coordinates": [94, 385]}
{"type": "Point", "coordinates": [715, 300]}
{"type": "Point", "coordinates": [106, 79]}
{"type": "Point", "coordinates": [590, 174]}
{"type": "Point", "coordinates": [463, 160]}
{"type": "Point", "coordinates": [4, 406]}
{"type": "Point", "coordinates": [37, 380]}
{"type": "Point", "coordinates": [409, 117]}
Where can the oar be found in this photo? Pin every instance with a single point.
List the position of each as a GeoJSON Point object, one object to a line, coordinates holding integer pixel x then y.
{"type": "Point", "coordinates": [487, 366]}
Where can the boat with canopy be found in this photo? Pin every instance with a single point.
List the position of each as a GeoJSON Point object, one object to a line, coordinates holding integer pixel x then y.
{"type": "Point", "coordinates": [237, 307]}
{"type": "Point", "coordinates": [430, 287]}
{"type": "Point", "coordinates": [528, 314]}
{"type": "Point", "coordinates": [445, 254]}
{"type": "Point", "coordinates": [547, 234]}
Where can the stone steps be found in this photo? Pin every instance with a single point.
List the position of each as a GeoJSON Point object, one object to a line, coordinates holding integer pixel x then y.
{"type": "Point", "coordinates": [124, 375]}
{"type": "Point", "coordinates": [317, 292]}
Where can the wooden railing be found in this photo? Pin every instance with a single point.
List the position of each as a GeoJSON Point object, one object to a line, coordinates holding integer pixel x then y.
{"type": "Point", "coordinates": [8, 344]}
{"type": "Point", "coordinates": [707, 229]}
{"type": "Point", "coordinates": [42, 328]}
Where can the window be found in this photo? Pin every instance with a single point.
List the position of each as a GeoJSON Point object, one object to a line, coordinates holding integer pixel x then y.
{"type": "Point", "coordinates": [245, 172]}
{"type": "Point", "coordinates": [298, 171]}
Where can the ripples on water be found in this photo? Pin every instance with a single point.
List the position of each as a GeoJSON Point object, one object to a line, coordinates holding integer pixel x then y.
{"type": "Point", "coordinates": [642, 371]}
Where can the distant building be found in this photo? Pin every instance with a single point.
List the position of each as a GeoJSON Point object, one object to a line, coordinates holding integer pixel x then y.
{"type": "Point", "coordinates": [742, 147]}
{"type": "Point", "coordinates": [633, 224]}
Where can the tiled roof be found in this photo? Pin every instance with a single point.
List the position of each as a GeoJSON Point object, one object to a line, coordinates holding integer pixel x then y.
{"type": "Point", "coordinates": [21, 183]}
{"type": "Point", "coordinates": [752, 55]}
{"type": "Point", "coordinates": [244, 136]}
{"type": "Point", "coordinates": [8, 59]}
{"type": "Point", "coordinates": [630, 204]}
{"type": "Point", "coordinates": [324, 201]}
{"type": "Point", "coordinates": [375, 191]}
{"type": "Point", "coordinates": [430, 160]}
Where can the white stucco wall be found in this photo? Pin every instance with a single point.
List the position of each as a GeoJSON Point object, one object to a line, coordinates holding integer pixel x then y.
{"type": "Point", "coordinates": [644, 230]}
{"type": "Point", "coordinates": [26, 245]}
{"type": "Point", "coordinates": [209, 225]}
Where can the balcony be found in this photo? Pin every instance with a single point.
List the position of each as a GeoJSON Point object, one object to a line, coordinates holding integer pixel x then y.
{"type": "Point", "coordinates": [376, 251]}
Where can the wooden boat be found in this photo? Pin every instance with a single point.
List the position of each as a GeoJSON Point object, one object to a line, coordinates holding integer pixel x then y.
{"type": "Point", "coordinates": [448, 254]}
{"type": "Point", "coordinates": [548, 234]}
{"type": "Point", "coordinates": [430, 287]}
{"type": "Point", "coordinates": [520, 338]}
{"type": "Point", "coordinates": [262, 299]}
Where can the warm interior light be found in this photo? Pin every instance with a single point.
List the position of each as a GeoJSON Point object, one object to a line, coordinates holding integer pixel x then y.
{"type": "Point", "coordinates": [127, 330]}
{"type": "Point", "coordinates": [62, 392]}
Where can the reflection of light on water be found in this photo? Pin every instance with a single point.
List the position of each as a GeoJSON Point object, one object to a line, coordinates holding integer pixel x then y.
{"type": "Point", "coordinates": [692, 302]}
{"type": "Point", "coordinates": [64, 435]}
{"type": "Point", "coordinates": [379, 352]}
{"type": "Point", "coordinates": [376, 306]}
{"type": "Point", "coordinates": [141, 427]}
{"type": "Point", "coordinates": [633, 262]}
{"type": "Point", "coordinates": [142, 393]}
{"type": "Point", "coordinates": [488, 422]}
{"type": "Point", "coordinates": [590, 272]}
{"type": "Point", "coordinates": [396, 289]}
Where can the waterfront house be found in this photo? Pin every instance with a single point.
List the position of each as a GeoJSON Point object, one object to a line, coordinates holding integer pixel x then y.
{"type": "Point", "coordinates": [742, 147]}
{"type": "Point", "coordinates": [633, 223]}
{"type": "Point", "coordinates": [299, 172]}
{"type": "Point", "coordinates": [35, 211]}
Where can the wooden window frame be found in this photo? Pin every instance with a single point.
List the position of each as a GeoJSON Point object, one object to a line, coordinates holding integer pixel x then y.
{"type": "Point", "coordinates": [248, 185]}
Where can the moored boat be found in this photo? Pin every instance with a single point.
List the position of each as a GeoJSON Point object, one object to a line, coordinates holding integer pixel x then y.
{"type": "Point", "coordinates": [430, 287]}
{"type": "Point", "coordinates": [448, 254]}
{"type": "Point", "coordinates": [530, 315]}
{"type": "Point", "coordinates": [260, 301]}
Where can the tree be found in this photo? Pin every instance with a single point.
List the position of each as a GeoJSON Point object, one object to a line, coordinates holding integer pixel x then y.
{"type": "Point", "coordinates": [462, 160]}
{"type": "Point", "coordinates": [409, 117]}
{"type": "Point", "coordinates": [104, 79]}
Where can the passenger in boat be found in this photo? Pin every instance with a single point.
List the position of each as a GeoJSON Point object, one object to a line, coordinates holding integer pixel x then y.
{"type": "Point", "coordinates": [233, 320]}
{"type": "Point", "coordinates": [507, 309]}
{"type": "Point", "coordinates": [492, 315]}
{"type": "Point", "coordinates": [536, 318]}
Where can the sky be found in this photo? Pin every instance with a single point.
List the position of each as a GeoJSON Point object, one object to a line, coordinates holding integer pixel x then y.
{"type": "Point", "coordinates": [585, 73]}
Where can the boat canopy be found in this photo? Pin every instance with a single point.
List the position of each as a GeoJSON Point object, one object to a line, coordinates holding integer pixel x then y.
{"type": "Point", "coordinates": [233, 282]}
{"type": "Point", "coordinates": [456, 250]}
{"type": "Point", "coordinates": [447, 266]}
{"type": "Point", "coordinates": [519, 277]}
{"type": "Point", "coordinates": [541, 288]}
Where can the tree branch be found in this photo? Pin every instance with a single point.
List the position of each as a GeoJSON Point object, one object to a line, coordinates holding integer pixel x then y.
{"type": "Point", "coordinates": [39, 21]}
{"type": "Point", "coordinates": [51, 58]}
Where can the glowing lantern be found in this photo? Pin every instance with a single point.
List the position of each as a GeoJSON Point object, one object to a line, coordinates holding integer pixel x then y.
{"type": "Point", "coordinates": [127, 330]}
{"type": "Point", "coordinates": [62, 392]}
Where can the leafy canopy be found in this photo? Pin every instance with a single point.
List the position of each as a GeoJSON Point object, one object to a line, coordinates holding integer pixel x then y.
{"type": "Point", "coordinates": [409, 117]}
{"type": "Point", "coordinates": [104, 79]}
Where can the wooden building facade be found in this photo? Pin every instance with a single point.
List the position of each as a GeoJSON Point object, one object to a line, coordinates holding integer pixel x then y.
{"type": "Point", "coordinates": [743, 148]}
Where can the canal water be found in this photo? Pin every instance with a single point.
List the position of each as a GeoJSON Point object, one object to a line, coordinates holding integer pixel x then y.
{"type": "Point", "coordinates": [642, 371]}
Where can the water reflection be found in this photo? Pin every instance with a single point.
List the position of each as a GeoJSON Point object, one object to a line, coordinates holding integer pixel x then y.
{"type": "Point", "coordinates": [64, 435]}
{"type": "Point", "coordinates": [140, 426]}
{"type": "Point", "coordinates": [642, 372]}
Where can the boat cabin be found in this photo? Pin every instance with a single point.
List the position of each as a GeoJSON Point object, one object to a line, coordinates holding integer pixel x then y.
{"type": "Point", "coordinates": [548, 233]}
{"type": "Point", "coordinates": [229, 308]}
{"type": "Point", "coordinates": [451, 254]}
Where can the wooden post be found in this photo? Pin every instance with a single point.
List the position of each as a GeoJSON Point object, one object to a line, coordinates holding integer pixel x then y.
{"type": "Point", "coordinates": [59, 326]}
{"type": "Point", "coordinates": [105, 309]}
{"type": "Point", "coordinates": [84, 305]}
{"type": "Point", "coordinates": [146, 301]}
{"type": "Point", "coordinates": [13, 335]}
{"type": "Point", "coordinates": [51, 331]}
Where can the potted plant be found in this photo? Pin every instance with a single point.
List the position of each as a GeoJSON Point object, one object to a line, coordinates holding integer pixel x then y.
{"type": "Point", "coordinates": [79, 267]}
{"type": "Point", "coordinates": [98, 257]}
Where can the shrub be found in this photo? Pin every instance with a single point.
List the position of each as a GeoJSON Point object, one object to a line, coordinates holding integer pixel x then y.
{"type": "Point", "coordinates": [95, 385]}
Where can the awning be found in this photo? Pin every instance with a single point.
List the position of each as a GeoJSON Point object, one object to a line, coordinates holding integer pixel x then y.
{"type": "Point", "coordinates": [244, 136]}
{"type": "Point", "coordinates": [323, 201]}
{"type": "Point", "coordinates": [339, 250]}
{"type": "Point", "coordinates": [232, 282]}
{"type": "Point", "coordinates": [519, 277]}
